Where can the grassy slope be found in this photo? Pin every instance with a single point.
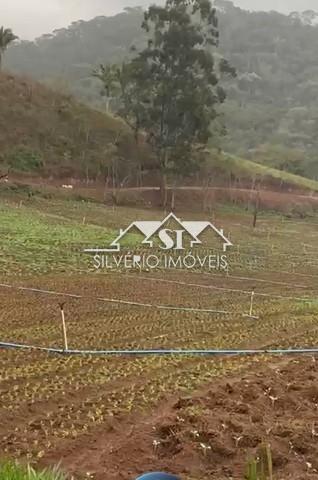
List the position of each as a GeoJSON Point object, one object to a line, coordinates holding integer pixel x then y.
{"type": "Point", "coordinates": [242, 167]}
{"type": "Point", "coordinates": [38, 123]}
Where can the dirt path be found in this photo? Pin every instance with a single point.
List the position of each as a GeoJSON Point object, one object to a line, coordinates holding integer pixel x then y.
{"type": "Point", "coordinates": [269, 197]}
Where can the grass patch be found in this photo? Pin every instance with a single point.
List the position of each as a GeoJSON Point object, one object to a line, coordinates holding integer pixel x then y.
{"type": "Point", "coordinates": [14, 471]}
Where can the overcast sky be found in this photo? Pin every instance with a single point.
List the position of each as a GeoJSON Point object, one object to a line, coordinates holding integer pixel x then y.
{"type": "Point", "coordinates": [31, 18]}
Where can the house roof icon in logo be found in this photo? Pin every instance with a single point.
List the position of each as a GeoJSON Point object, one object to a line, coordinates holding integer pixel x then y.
{"type": "Point", "coordinates": [150, 228]}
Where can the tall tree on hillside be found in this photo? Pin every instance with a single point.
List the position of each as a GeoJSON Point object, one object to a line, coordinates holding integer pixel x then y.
{"type": "Point", "coordinates": [6, 37]}
{"type": "Point", "coordinates": [170, 90]}
{"type": "Point", "coordinates": [109, 75]}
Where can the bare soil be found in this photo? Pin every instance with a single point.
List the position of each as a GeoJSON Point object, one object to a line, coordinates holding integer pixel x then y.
{"type": "Point", "coordinates": [213, 433]}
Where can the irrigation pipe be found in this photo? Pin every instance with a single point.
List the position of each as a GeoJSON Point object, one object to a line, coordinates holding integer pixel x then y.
{"type": "Point", "coordinates": [259, 280]}
{"type": "Point", "coordinates": [115, 301]}
{"type": "Point", "coordinates": [252, 279]}
{"type": "Point", "coordinates": [305, 275]}
{"type": "Point", "coordinates": [161, 307]}
{"type": "Point", "coordinates": [230, 290]}
{"type": "Point", "coordinates": [133, 353]}
{"type": "Point", "coordinates": [271, 254]}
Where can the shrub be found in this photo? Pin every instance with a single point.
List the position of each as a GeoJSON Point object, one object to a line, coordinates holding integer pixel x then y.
{"type": "Point", "coordinates": [24, 160]}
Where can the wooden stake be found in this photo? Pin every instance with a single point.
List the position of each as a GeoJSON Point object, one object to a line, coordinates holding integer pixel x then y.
{"type": "Point", "coordinates": [252, 302]}
{"type": "Point", "coordinates": [256, 208]}
{"type": "Point", "coordinates": [251, 312]}
{"type": "Point", "coordinates": [64, 332]}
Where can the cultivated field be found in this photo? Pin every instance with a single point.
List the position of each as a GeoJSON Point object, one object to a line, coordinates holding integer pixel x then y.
{"type": "Point", "coordinates": [57, 407]}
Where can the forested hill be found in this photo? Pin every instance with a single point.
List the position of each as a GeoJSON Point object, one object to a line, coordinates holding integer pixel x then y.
{"type": "Point", "coordinates": [271, 113]}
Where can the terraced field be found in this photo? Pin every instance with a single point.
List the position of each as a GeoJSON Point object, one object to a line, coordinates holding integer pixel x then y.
{"type": "Point", "coordinates": [52, 403]}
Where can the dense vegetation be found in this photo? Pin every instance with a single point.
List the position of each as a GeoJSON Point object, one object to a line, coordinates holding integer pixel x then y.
{"type": "Point", "coordinates": [271, 113]}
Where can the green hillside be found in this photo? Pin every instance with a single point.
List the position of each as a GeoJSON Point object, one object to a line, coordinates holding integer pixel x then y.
{"type": "Point", "coordinates": [44, 133]}
{"type": "Point", "coordinates": [246, 169]}
{"type": "Point", "coordinates": [273, 101]}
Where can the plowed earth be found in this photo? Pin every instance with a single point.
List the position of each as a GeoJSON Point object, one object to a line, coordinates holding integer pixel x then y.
{"type": "Point", "coordinates": [213, 433]}
{"type": "Point", "coordinates": [114, 417]}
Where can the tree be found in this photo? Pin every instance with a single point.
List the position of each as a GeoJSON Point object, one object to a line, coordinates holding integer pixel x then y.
{"type": "Point", "coordinates": [109, 75]}
{"type": "Point", "coordinates": [6, 37]}
{"type": "Point", "coordinates": [170, 90]}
